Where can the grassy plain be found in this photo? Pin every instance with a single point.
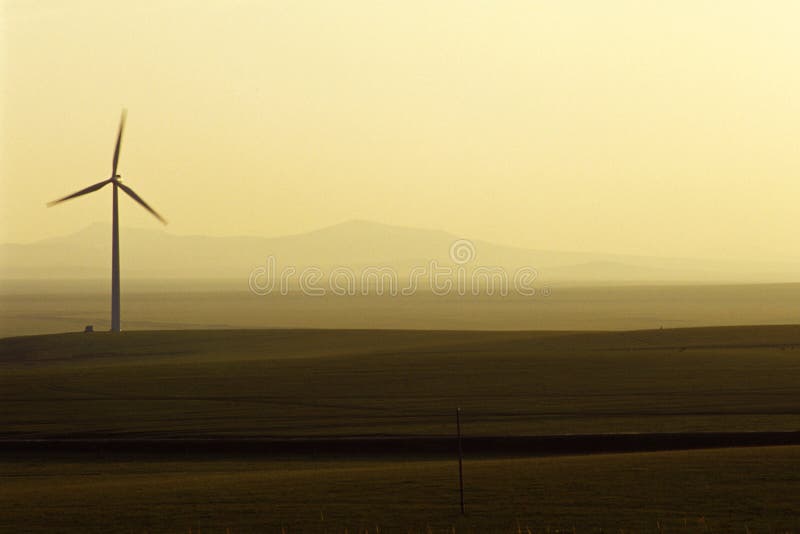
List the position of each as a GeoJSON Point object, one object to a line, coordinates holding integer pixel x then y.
{"type": "Point", "coordinates": [52, 306]}
{"type": "Point", "coordinates": [296, 383]}
{"type": "Point", "coordinates": [688, 492]}
{"type": "Point", "coordinates": [344, 383]}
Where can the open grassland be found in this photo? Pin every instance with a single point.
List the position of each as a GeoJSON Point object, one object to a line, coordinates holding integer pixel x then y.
{"type": "Point", "coordinates": [312, 383]}
{"type": "Point", "coordinates": [45, 307]}
{"type": "Point", "coordinates": [694, 491]}
{"type": "Point", "coordinates": [345, 383]}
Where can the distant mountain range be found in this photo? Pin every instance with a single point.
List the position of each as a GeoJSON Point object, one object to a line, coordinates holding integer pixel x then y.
{"type": "Point", "coordinates": [157, 254]}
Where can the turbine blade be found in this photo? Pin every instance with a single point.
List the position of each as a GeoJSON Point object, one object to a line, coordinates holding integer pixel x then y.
{"type": "Point", "coordinates": [119, 142]}
{"type": "Point", "coordinates": [89, 189]}
{"type": "Point", "coordinates": [144, 204]}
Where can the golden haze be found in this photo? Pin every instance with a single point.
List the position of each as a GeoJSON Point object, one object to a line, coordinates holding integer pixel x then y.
{"type": "Point", "coordinates": [647, 127]}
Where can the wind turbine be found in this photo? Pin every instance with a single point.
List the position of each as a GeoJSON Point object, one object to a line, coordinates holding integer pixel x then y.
{"type": "Point", "coordinates": [116, 181]}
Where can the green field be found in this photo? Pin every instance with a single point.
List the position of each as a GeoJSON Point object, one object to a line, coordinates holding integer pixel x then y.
{"type": "Point", "coordinates": [731, 489]}
{"type": "Point", "coordinates": [302, 383]}
{"type": "Point", "coordinates": [335, 383]}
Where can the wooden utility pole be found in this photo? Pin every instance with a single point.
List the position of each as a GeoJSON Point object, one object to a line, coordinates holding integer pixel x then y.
{"type": "Point", "coordinates": [460, 459]}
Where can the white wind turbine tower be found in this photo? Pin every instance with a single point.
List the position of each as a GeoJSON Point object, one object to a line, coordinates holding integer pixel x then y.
{"type": "Point", "coordinates": [116, 181]}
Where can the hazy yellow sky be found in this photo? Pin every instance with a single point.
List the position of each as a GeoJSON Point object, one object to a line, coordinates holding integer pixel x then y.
{"type": "Point", "coordinates": [649, 127]}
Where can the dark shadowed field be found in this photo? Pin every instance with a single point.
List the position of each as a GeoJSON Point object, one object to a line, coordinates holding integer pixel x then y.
{"type": "Point", "coordinates": [368, 384]}
{"type": "Point", "coordinates": [685, 492]}
{"type": "Point", "coordinates": [365, 383]}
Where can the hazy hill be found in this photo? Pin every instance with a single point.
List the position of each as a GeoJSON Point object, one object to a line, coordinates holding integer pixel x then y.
{"type": "Point", "coordinates": [156, 253]}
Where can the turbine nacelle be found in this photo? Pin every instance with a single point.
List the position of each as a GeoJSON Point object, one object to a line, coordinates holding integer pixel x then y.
{"type": "Point", "coordinates": [116, 179]}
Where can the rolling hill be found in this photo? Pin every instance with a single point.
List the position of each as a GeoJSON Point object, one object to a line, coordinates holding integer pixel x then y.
{"type": "Point", "coordinates": [158, 254]}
